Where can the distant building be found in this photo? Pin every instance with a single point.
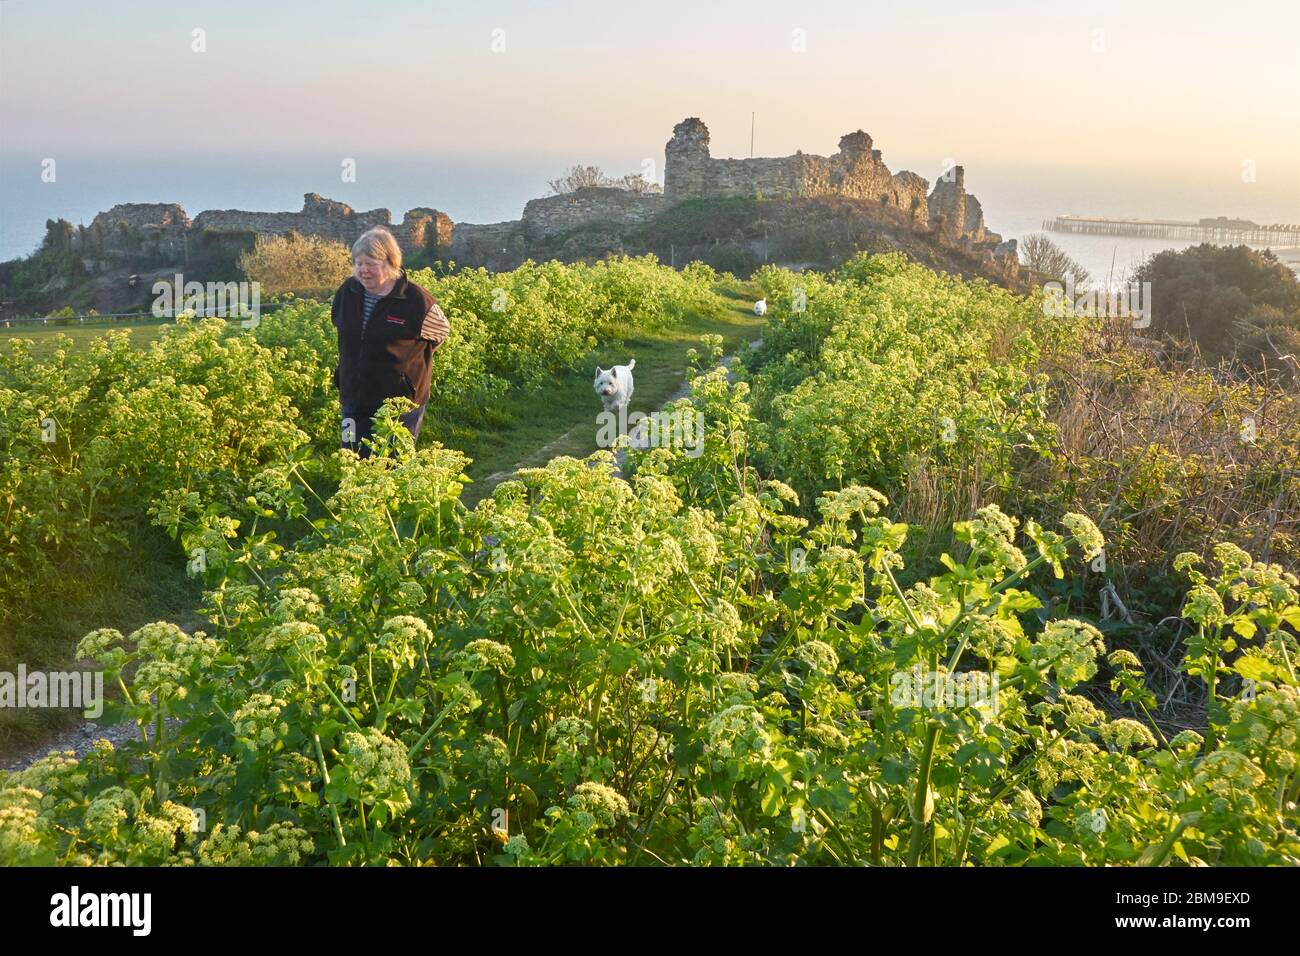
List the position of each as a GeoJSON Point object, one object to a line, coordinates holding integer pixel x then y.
{"type": "Point", "coordinates": [1223, 222]}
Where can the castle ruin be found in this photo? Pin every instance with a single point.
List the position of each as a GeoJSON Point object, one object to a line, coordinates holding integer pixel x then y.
{"type": "Point", "coordinates": [855, 172]}
{"type": "Point", "coordinates": [947, 214]}
{"type": "Point", "coordinates": [166, 231]}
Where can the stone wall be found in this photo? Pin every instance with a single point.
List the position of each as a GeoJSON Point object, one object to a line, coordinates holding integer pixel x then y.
{"type": "Point", "coordinates": [333, 220]}
{"type": "Point", "coordinates": [161, 228]}
{"type": "Point", "coordinates": [142, 215]}
{"type": "Point", "coordinates": [164, 229]}
{"type": "Point", "coordinates": [856, 171]}
{"type": "Point", "coordinates": [552, 215]}
{"type": "Point", "coordinates": [422, 226]}
{"type": "Point", "coordinates": [494, 245]}
{"type": "Point", "coordinates": [319, 217]}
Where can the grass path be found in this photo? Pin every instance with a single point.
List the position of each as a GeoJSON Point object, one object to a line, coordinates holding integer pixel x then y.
{"type": "Point", "coordinates": [562, 421]}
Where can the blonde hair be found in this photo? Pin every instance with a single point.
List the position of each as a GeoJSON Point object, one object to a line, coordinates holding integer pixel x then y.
{"type": "Point", "coordinates": [378, 243]}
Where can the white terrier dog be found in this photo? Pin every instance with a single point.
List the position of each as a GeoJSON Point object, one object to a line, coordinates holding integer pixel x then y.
{"type": "Point", "coordinates": [614, 385]}
{"type": "Point", "coordinates": [760, 307]}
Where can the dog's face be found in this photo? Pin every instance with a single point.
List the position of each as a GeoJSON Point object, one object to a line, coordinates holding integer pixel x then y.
{"type": "Point", "coordinates": [607, 382]}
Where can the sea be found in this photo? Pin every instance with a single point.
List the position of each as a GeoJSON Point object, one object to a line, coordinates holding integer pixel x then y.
{"type": "Point", "coordinates": [483, 189]}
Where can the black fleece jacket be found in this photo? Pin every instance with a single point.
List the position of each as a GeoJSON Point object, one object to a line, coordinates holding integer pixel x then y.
{"type": "Point", "coordinates": [394, 355]}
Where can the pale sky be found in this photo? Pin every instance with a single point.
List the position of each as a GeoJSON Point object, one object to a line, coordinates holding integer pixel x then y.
{"type": "Point", "coordinates": [1171, 85]}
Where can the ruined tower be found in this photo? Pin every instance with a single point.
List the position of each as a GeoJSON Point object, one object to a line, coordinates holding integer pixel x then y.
{"type": "Point", "coordinates": [686, 161]}
{"type": "Point", "coordinates": [948, 204]}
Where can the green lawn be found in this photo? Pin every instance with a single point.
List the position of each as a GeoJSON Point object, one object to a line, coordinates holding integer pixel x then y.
{"type": "Point", "coordinates": [143, 331]}
{"type": "Point", "coordinates": [45, 337]}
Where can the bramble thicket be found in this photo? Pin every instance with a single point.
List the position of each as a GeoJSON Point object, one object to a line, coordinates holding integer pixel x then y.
{"type": "Point", "coordinates": [696, 664]}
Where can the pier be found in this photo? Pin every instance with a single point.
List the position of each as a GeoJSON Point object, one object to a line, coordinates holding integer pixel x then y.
{"type": "Point", "coordinates": [1222, 230]}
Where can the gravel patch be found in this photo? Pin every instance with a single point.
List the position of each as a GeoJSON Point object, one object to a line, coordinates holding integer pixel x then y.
{"type": "Point", "coordinates": [81, 738]}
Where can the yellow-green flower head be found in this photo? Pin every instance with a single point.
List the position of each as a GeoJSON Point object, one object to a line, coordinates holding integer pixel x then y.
{"type": "Point", "coordinates": [657, 494]}
{"type": "Point", "coordinates": [21, 836]}
{"type": "Point", "coordinates": [301, 635]}
{"type": "Point", "coordinates": [738, 731]}
{"type": "Point", "coordinates": [1081, 711]}
{"type": "Point", "coordinates": [1280, 705]}
{"type": "Point", "coordinates": [408, 594]}
{"type": "Point", "coordinates": [14, 796]}
{"type": "Point", "coordinates": [722, 622]}
{"type": "Point", "coordinates": [927, 603]}
{"type": "Point", "coordinates": [164, 641]}
{"type": "Point", "coordinates": [223, 847]}
{"type": "Point", "coordinates": [1272, 718]}
{"type": "Point", "coordinates": [97, 642]}
{"type": "Point", "coordinates": [399, 639]}
{"type": "Point", "coordinates": [109, 811]}
{"type": "Point", "coordinates": [297, 604]}
{"type": "Point", "coordinates": [1204, 606]}
{"type": "Point", "coordinates": [990, 637]}
{"type": "Point", "coordinates": [1226, 770]}
{"type": "Point", "coordinates": [1187, 739]}
{"type": "Point", "coordinates": [782, 492]}
{"type": "Point", "coordinates": [828, 735]}
{"type": "Point", "coordinates": [570, 731]}
{"type": "Point", "coordinates": [258, 719]}
{"type": "Point", "coordinates": [379, 763]}
{"type": "Point", "coordinates": [1231, 558]}
{"type": "Point", "coordinates": [161, 678]}
{"type": "Point", "coordinates": [159, 833]}
{"type": "Point", "coordinates": [697, 533]}
{"type": "Point", "coordinates": [818, 656]}
{"type": "Point", "coordinates": [1026, 806]}
{"type": "Point", "coordinates": [1086, 533]}
{"type": "Point", "coordinates": [991, 535]}
{"type": "Point", "coordinates": [57, 771]}
{"type": "Point", "coordinates": [991, 521]}
{"type": "Point", "coordinates": [735, 687]}
{"type": "Point", "coordinates": [1072, 760]}
{"type": "Point", "coordinates": [492, 753]}
{"type": "Point", "coordinates": [606, 805]}
{"type": "Point", "coordinates": [484, 655]}
{"type": "Point", "coordinates": [852, 500]}
{"type": "Point", "coordinates": [744, 516]}
{"type": "Point", "coordinates": [283, 844]}
{"type": "Point", "coordinates": [1071, 648]}
{"type": "Point", "coordinates": [1125, 734]}
{"type": "Point", "coordinates": [1124, 660]}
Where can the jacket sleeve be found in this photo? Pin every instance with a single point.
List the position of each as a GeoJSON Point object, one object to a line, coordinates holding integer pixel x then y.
{"type": "Point", "coordinates": [334, 318]}
{"type": "Point", "coordinates": [435, 328]}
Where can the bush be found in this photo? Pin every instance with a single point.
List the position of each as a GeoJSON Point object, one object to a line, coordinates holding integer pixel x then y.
{"type": "Point", "coordinates": [1226, 300]}
{"type": "Point", "coordinates": [294, 262]}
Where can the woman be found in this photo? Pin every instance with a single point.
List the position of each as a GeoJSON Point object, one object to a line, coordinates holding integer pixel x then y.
{"type": "Point", "coordinates": [388, 329]}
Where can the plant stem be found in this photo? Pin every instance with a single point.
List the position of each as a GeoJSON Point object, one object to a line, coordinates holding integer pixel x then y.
{"type": "Point", "coordinates": [505, 710]}
{"type": "Point", "coordinates": [325, 775]}
{"type": "Point", "coordinates": [919, 823]}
